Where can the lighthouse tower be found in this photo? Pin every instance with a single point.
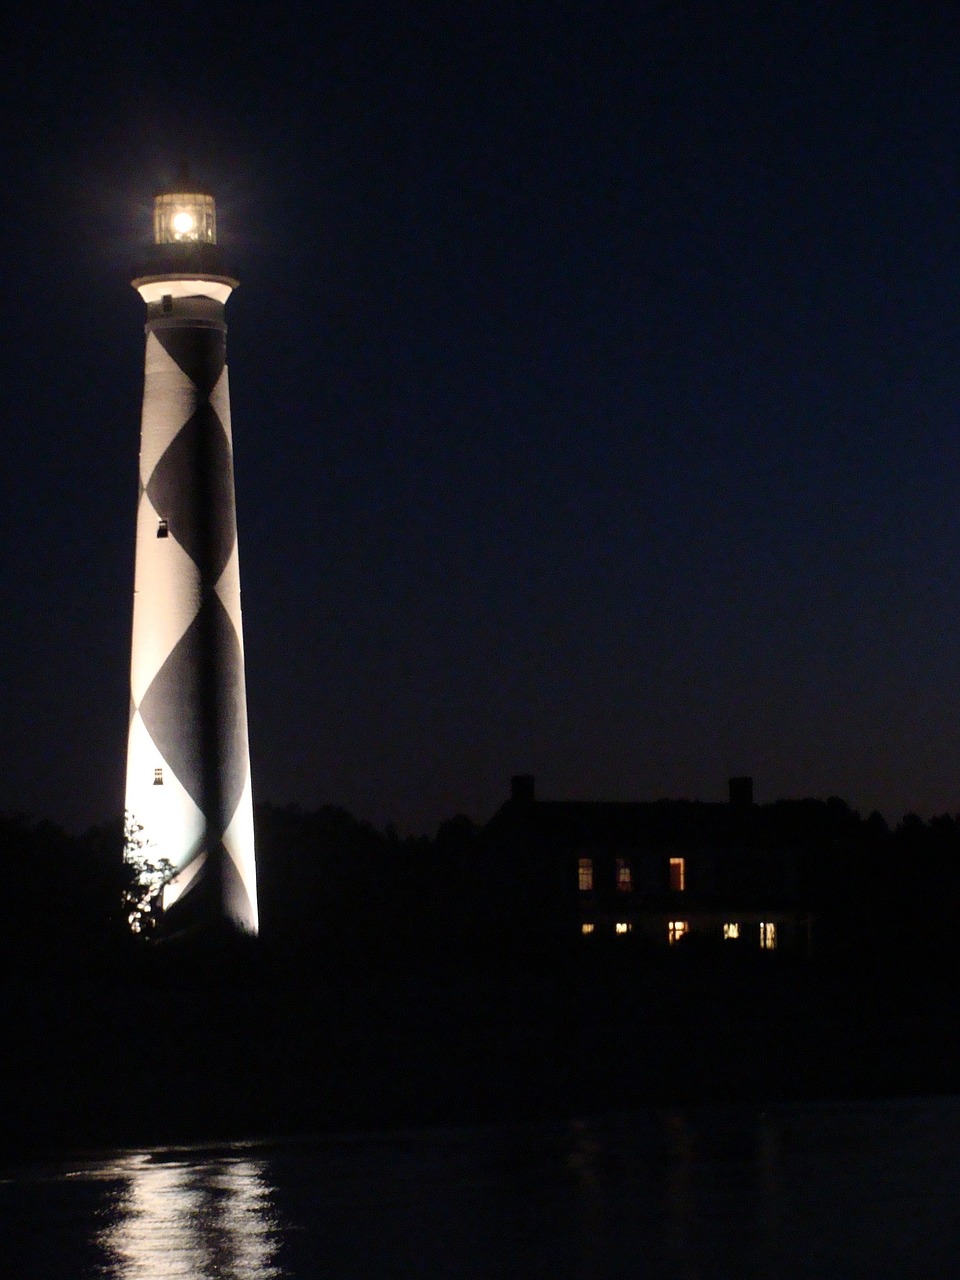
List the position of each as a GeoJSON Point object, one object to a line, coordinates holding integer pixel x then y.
{"type": "Point", "coordinates": [189, 813]}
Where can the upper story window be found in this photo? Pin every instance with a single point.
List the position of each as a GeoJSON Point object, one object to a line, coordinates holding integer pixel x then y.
{"type": "Point", "coordinates": [585, 874]}
{"type": "Point", "coordinates": [675, 930]}
{"type": "Point", "coordinates": [624, 876]}
{"type": "Point", "coordinates": [768, 936]}
{"type": "Point", "coordinates": [731, 929]}
{"type": "Point", "coordinates": [678, 875]}
{"type": "Point", "coordinates": [162, 529]}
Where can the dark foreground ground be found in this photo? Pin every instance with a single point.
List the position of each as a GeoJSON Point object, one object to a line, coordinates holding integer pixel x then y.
{"type": "Point", "coordinates": [182, 1047]}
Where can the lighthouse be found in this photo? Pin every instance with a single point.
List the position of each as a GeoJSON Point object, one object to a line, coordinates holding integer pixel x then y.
{"type": "Point", "coordinates": [189, 811]}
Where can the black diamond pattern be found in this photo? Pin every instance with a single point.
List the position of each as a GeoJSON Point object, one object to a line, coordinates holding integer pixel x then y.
{"type": "Point", "coordinates": [193, 711]}
{"type": "Point", "coordinates": [218, 886]}
{"type": "Point", "coordinates": [200, 352]}
{"type": "Point", "coordinates": [192, 489]}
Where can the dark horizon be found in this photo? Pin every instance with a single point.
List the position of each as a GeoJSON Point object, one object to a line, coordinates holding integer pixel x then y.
{"type": "Point", "coordinates": [594, 386]}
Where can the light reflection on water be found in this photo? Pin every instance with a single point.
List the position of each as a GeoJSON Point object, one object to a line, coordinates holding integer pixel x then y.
{"type": "Point", "coordinates": [187, 1219]}
{"type": "Point", "coordinates": [814, 1192]}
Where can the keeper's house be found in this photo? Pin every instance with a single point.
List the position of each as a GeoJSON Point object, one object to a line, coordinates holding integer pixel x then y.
{"type": "Point", "coordinates": [667, 873]}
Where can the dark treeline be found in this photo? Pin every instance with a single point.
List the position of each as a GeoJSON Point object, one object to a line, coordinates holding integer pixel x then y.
{"type": "Point", "coordinates": [877, 897]}
{"type": "Point", "coordinates": [340, 889]}
{"type": "Point", "coordinates": [411, 980]}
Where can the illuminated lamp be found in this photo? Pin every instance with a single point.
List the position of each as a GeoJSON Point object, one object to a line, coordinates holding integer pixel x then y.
{"type": "Point", "coordinates": [184, 217]}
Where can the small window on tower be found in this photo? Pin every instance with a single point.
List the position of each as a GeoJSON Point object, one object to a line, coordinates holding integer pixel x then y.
{"type": "Point", "coordinates": [678, 875]}
{"type": "Point", "coordinates": [585, 874]}
{"type": "Point", "coordinates": [624, 878]}
{"type": "Point", "coordinates": [158, 777]}
{"type": "Point", "coordinates": [162, 529]}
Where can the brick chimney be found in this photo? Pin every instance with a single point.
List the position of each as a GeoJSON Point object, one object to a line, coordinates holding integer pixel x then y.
{"type": "Point", "coordinates": [522, 789]}
{"type": "Point", "coordinates": [741, 793]}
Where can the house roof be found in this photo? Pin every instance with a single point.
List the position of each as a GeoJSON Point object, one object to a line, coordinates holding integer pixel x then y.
{"type": "Point", "coordinates": [677, 823]}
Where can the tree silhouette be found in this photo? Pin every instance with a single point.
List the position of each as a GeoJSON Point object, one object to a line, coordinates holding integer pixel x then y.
{"type": "Point", "coordinates": [148, 875]}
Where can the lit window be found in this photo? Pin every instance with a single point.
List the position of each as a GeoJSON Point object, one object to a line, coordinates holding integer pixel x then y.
{"type": "Point", "coordinates": [158, 777]}
{"type": "Point", "coordinates": [731, 930]}
{"type": "Point", "coordinates": [624, 878]}
{"type": "Point", "coordinates": [587, 927]}
{"type": "Point", "coordinates": [768, 936]}
{"type": "Point", "coordinates": [162, 530]}
{"type": "Point", "coordinates": [678, 875]}
{"type": "Point", "coordinates": [622, 926]}
{"type": "Point", "coordinates": [676, 929]}
{"type": "Point", "coordinates": [585, 873]}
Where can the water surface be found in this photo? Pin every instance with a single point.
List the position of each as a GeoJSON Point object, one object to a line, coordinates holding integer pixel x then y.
{"type": "Point", "coordinates": [852, 1190]}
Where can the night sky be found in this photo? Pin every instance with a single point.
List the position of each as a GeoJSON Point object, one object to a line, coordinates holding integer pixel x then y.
{"type": "Point", "coordinates": [596, 394]}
